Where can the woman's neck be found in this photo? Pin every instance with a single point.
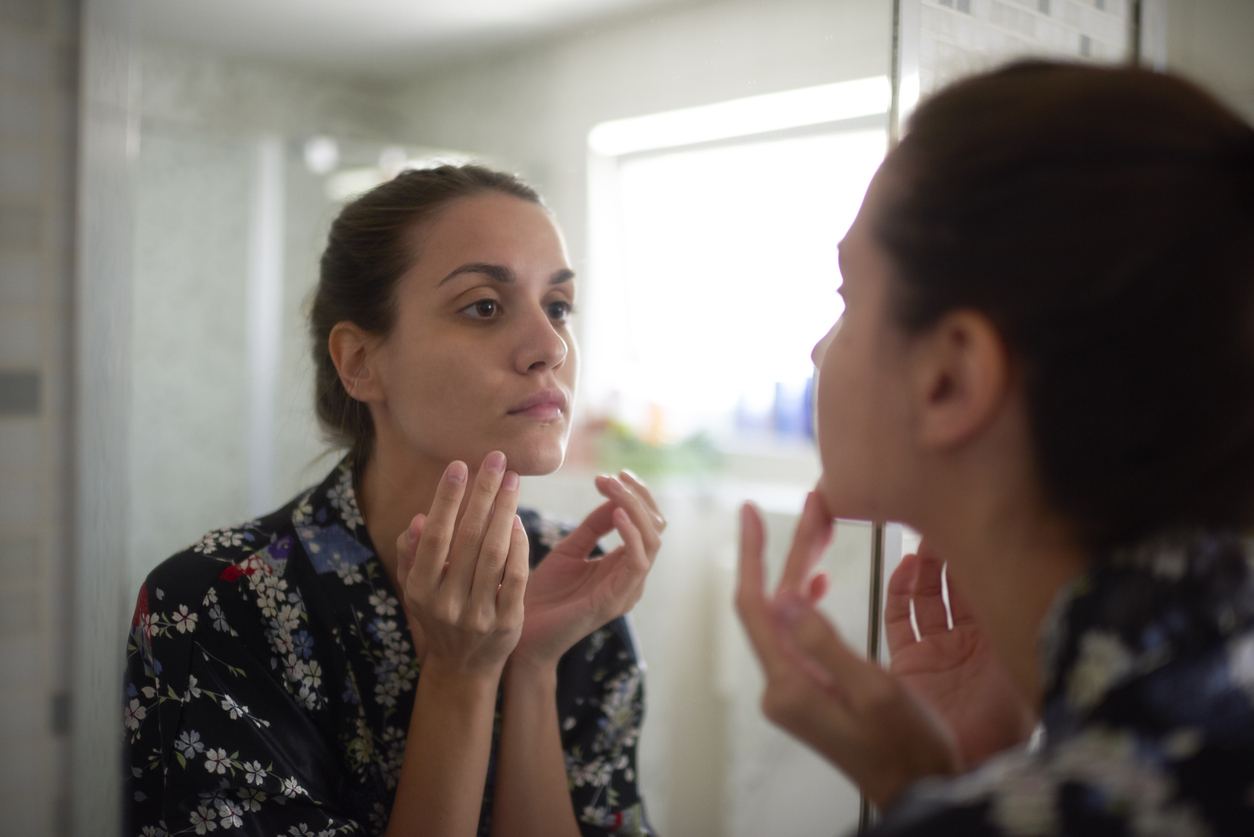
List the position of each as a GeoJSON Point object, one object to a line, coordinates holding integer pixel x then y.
{"type": "Point", "coordinates": [1011, 572]}
{"type": "Point", "coordinates": [391, 488]}
{"type": "Point", "coordinates": [1008, 551]}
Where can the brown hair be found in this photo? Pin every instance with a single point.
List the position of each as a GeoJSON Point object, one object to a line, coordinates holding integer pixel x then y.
{"type": "Point", "coordinates": [370, 246]}
{"type": "Point", "coordinates": [1103, 219]}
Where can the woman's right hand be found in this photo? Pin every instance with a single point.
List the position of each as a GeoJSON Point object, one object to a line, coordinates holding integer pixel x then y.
{"type": "Point", "coordinates": [952, 667]}
{"type": "Point", "coordinates": [862, 718]}
{"type": "Point", "coordinates": [463, 582]}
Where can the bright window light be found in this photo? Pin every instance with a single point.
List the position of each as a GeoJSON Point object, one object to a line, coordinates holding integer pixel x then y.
{"type": "Point", "coordinates": [743, 117]}
{"type": "Point", "coordinates": [716, 273]}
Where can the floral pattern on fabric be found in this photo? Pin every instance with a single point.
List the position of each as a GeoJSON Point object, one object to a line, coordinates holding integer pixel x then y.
{"type": "Point", "coordinates": [271, 677]}
{"type": "Point", "coordinates": [1148, 720]}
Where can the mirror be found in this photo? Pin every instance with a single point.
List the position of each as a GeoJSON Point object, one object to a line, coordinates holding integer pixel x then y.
{"type": "Point", "coordinates": [255, 125]}
{"type": "Point", "coordinates": [258, 120]}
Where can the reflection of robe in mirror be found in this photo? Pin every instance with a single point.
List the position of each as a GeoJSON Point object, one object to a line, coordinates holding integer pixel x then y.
{"type": "Point", "coordinates": [270, 683]}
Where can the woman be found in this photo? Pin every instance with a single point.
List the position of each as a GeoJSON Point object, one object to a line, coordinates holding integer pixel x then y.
{"type": "Point", "coordinates": [1045, 366]}
{"type": "Point", "coordinates": [389, 653]}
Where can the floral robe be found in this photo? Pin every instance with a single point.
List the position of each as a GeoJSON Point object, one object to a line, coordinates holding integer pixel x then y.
{"type": "Point", "coordinates": [1148, 721]}
{"type": "Point", "coordinates": [270, 682]}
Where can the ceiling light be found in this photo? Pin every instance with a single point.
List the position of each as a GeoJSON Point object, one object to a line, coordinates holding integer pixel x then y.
{"type": "Point", "coordinates": [321, 154]}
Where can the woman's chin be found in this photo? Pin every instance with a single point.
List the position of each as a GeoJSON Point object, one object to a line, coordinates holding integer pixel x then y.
{"type": "Point", "coordinates": [843, 501]}
{"type": "Point", "coordinates": [536, 461]}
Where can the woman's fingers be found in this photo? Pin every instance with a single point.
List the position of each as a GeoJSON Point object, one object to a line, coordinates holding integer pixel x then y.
{"type": "Point", "coordinates": [642, 491]}
{"type": "Point", "coordinates": [644, 518]}
{"type": "Point", "coordinates": [752, 540]}
{"type": "Point", "coordinates": [897, 628]}
{"type": "Point", "coordinates": [928, 594]}
{"type": "Point", "coordinates": [509, 599]}
{"type": "Point", "coordinates": [814, 533]}
{"type": "Point", "coordinates": [959, 611]}
{"type": "Point", "coordinates": [494, 550]}
{"type": "Point", "coordinates": [638, 561]}
{"type": "Point", "coordinates": [815, 637]}
{"type": "Point", "coordinates": [818, 588]}
{"type": "Point", "coordinates": [598, 524]}
{"type": "Point", "coordinates": [407, 547]}
{"type": "Point", "coordinates": [472, 528]}
{"type": "Point", "coordinates": [622, 572]}
{"type": "Point", "coordinates": [438, 529]}
{"type": "Point", "coordinates": [751, 602]}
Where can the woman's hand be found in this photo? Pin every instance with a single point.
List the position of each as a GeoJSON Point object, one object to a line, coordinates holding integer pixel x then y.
{"type": "Point", "coordinates": [463, 583]}
{"type": "Point", "coordinates": [569, 594]}
{"type": "Point", "coordinates": [857, 715]}
{"type": "Point", "coordinates": [953, 669]}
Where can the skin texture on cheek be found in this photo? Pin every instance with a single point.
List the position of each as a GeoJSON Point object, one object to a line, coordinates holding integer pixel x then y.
{"type": "Point", "coordinates": [862, 398]}
{"type": "Point", "coordinates": [448, 402]}
{"type": "Point", "coordinates": [452, 380]}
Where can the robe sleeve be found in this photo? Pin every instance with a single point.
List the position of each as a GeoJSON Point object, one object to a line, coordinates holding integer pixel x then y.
{"type": "Point", "coordinates": [220, 736]}
{"type": "Point", "coordinates": [600, 708]}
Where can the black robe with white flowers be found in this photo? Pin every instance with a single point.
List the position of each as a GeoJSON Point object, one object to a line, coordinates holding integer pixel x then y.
{"type": "Point", "coordinates": [1148, 717]}
{"type": "Point", "coordinates": [270, 682]}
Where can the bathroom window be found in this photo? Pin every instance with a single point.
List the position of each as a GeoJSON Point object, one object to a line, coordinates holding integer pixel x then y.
{"type": "Point", "coordinates": [714, 271]}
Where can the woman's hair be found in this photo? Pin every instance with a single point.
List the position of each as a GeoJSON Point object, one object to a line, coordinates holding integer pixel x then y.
{"type": "Point", "coordinates": [371, 245]}
{"type": "Point", "coordinates": [1103, 219]}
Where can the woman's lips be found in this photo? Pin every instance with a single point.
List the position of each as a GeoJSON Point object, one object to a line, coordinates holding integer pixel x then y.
{"type": "Point", "coordinates": [545, 405]}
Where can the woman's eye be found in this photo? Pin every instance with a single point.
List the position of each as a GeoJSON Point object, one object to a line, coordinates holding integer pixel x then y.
{"type": "Point", "coordinates": [483, 309]}
{"type": "Point", "coordinates": [559, 311]}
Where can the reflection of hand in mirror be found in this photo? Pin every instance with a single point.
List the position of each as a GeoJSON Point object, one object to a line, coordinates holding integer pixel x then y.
{"type": "Point", "coordinates": [570, 595]}
{"type": "Point", "coordinates": [436, 367]}
{"type": "Point", "coordinates": [953, 669]}
{"type": "Point", "coordinates": [861, 718]}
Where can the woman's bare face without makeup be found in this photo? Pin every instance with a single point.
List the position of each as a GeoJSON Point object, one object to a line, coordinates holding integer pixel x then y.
{"type": "Point", "coordinates": [481, 356]}
{"type": "Point", "coordinates": [863, 407]}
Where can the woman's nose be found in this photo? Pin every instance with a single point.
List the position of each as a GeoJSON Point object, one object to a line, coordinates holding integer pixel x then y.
{"type": "Point", "coordinates": [541, 345]}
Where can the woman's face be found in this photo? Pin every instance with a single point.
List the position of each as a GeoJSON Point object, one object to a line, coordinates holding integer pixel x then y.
{"type": "Point", "coordinates": [481, 357]}
{"type": "Point", "coordinates": [863, 412]}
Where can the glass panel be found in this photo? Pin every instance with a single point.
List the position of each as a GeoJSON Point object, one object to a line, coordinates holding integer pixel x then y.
{"type": "Point", "coordinates": [961, 37]}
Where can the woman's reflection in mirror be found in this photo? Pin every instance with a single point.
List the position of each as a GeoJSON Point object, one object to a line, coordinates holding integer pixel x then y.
{"type": "Point", "coordinates": [401, 649]}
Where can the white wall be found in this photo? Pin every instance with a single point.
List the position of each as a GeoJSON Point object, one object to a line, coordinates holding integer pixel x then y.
{"type": "Point", "coordinates": [532, 109]}
{"type": "Point", "coordinates": [1211, 41]}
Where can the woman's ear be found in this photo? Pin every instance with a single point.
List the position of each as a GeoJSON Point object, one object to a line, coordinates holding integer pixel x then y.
{"type": "Point", "coordinates": [352, 352]}
{"type": "Point", "coordinates": [962, 377]}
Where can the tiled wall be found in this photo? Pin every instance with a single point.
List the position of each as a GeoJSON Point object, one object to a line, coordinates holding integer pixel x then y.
{"type": "Point", "coordinates": [38, 106]}
{"type": "Point", "coordinates": [965, 36]}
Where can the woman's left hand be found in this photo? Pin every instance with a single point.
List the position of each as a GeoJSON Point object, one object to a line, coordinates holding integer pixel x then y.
{"type": "Point", "coordinates": [863, 719]}
{"type": "Point", "coordinates": [570, 595]}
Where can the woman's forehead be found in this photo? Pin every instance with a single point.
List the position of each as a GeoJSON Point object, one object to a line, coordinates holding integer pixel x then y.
{"type": "Point", "coordinates": [490, 229]}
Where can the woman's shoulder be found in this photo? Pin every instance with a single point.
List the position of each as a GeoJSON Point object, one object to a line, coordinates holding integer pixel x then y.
{"type": "Point", "coordinates": [224, 554]}
{"type": "Point", "coordinates": [262, 544]}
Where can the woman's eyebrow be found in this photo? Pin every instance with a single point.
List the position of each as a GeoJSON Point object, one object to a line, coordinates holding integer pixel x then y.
{"type": "Point", "coordinates": [502, 274]}
{"type": "Point", "coordinates": [496, 272]}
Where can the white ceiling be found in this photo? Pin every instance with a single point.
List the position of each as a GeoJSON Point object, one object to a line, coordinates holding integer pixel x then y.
{"type": "Point", "coordinates": [368, 37]}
